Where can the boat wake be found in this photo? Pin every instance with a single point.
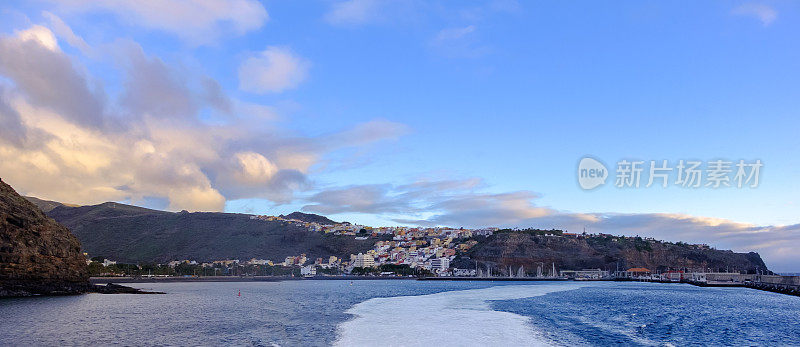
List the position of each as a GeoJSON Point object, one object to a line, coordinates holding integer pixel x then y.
{"type": "Point", "coordinates": [456, 318]}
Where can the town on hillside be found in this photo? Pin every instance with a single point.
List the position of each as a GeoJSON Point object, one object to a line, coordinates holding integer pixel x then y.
{"type": "Point", "coordinates": [398, 252]}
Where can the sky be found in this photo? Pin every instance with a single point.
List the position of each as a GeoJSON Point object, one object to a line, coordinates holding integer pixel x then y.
{"type": "Point", "coordinates": [456, 113]}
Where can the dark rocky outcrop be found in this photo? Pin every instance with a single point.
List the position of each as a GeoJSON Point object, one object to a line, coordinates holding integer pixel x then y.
{"type": "Point", "coordinates": [112, 288]}
{"type": "Point", "coordinates": [38, 256]}
{"type": "Point", "coordinates": [605, 252]}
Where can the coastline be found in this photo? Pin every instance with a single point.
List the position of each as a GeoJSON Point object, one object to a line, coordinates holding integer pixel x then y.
{"type": "Point", "coordinates": [775, 288]}
{"type": "Point", "coordinates": [492, 279]}
{"type": "Point", "coordinates": [104, 280]}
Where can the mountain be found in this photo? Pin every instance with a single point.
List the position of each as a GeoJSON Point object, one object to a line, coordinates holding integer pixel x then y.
{"type": "Point", "coordinates": [37, 255]}
{"type": "Point", "coordinates": [309, 218]}
{"type": "Point", "coordinates": [46, 205]}
{"type": "Point", "coordinates": [605, 252]}
{"type": "Point", "coordinates": [139, 235]}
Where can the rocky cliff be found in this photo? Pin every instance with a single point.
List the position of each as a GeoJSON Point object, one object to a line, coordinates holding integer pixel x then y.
{"type": "Point", "coordinates": [605, 252]}
{"type": "Point", "coordinates": [37, 255]}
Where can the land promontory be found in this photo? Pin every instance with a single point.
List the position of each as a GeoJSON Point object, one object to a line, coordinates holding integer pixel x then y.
{"type": "Point", "coordinates": [38, 256]}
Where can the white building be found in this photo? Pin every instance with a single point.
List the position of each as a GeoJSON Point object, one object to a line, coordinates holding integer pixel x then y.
{"type": "Point", "coordinates": [255, 261]}
{"type": "Point", "coordinates": [289, 261]}
{"type": "Point", "coordinates": [308, 271]}
{"type": "Point", "coordinates": [485, 231]}
{"type": "Point", "coordinates": [440, 265]}
{"type": "Point", "coordinates": [363, 260]}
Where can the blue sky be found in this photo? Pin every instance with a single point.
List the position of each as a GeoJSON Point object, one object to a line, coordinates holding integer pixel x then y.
{"type": "Point", "coordinates": [409, 112]}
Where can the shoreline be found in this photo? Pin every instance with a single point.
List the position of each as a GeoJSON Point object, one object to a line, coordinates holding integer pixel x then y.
{"type": "Point", "coordinates": [499, 279]}
{"type": "Point", "coordinates": [105, 280]}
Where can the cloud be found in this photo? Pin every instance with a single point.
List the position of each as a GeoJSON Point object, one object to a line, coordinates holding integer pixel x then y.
{"type": "Point", "coordinates": [422, 197]}
{"type": "Point", "coordinates": [214, 95]}
{"type": "Point", "coordinates": [364, 133]}
{"type": "Point", "coordinates": [362, 12]}
{"type": "Point", "coordinates": [458, 42]}
{"type": "Point", "coordinates": [273, 70]}
{"type": "Point", "coordinates": [254, 168]}
{"type": "Point", "coordinates": [12, 130]}
{"type": "Point", "coordinates": [152, 89]}
{"type": "Point", "coordinates": [64, 31]}
{"type": "Point", "coordinates": [763, 13]}
{"type": "Point", "coordinates": [457, 203]}
{"type": "Point", "coordinates": [360, 198]}
{"type": "Point", "coordinates": [197, 22]}
{"type": "Point", "coordinates": [352, 12]}
{"type": "Point", "coordinates": [454, 33]}
{"type": "Point", "coordinates": [40, 35]}
{"type": "Point", "coordinates": [150, 140]}
{"type": "Point", "coordinates": [39, 69]}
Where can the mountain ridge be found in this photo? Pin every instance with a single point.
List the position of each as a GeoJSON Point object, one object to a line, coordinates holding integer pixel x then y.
{"type": "Point", "coordinates": [135, 234]}
{"type": "Point", "coordinates": [607, 252]}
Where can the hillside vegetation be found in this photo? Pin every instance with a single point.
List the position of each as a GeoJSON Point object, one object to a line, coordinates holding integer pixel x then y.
{"type": "Point", "coordinates": [138, 235]}
{"type": "Point", "coordinates": [606, 252]}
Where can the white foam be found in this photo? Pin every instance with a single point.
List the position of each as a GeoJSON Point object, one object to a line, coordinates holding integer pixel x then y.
{"type": "Point", "coordinates": [457, 318]}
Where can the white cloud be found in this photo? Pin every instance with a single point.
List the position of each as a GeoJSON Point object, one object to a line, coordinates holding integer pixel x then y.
{"type": "Point", "coordinates": [203, 198]}
{"type": "Point", "coordinates": [198, 22]}
{"type": "Point", "coordinates": [273, 70]}
{"type": "Point", "coordinates": [63, 140]}
{"type": "Point", "coordinates": [40, 35]}
{"type": "Point", "coordinates": [255, 168]}
{"type": "Point", "coordinates": [64, 31]}
{"type": "Point", "coordinates": [763, 13]}
{"type": "Point", "coordinates": [47, 76]}
{"type": "Point", "coordinates": [352, 12]}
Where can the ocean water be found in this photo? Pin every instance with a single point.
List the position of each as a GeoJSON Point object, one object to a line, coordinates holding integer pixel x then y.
{"type": "Point", "coordinates": [407, 313]}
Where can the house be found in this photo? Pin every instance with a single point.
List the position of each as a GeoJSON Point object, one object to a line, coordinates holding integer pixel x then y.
{"type": "Point", "coordinates": [255, 261]}
{"type": "Point", "coordinates": [439, 265]}
{"type": "Point", "coordinates": [363, 260]}
{"type": "Point", "coordinates": [308, 271]}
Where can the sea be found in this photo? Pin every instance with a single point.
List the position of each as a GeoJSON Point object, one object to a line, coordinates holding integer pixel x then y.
{"type": "Point", "coordinates": [406, 313]}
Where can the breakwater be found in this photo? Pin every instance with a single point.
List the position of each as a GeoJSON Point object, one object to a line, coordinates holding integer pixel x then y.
{"type": "Point", "coordinates": [772, 283]}
{"type": "Point", "coordinates": [789, 285]}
